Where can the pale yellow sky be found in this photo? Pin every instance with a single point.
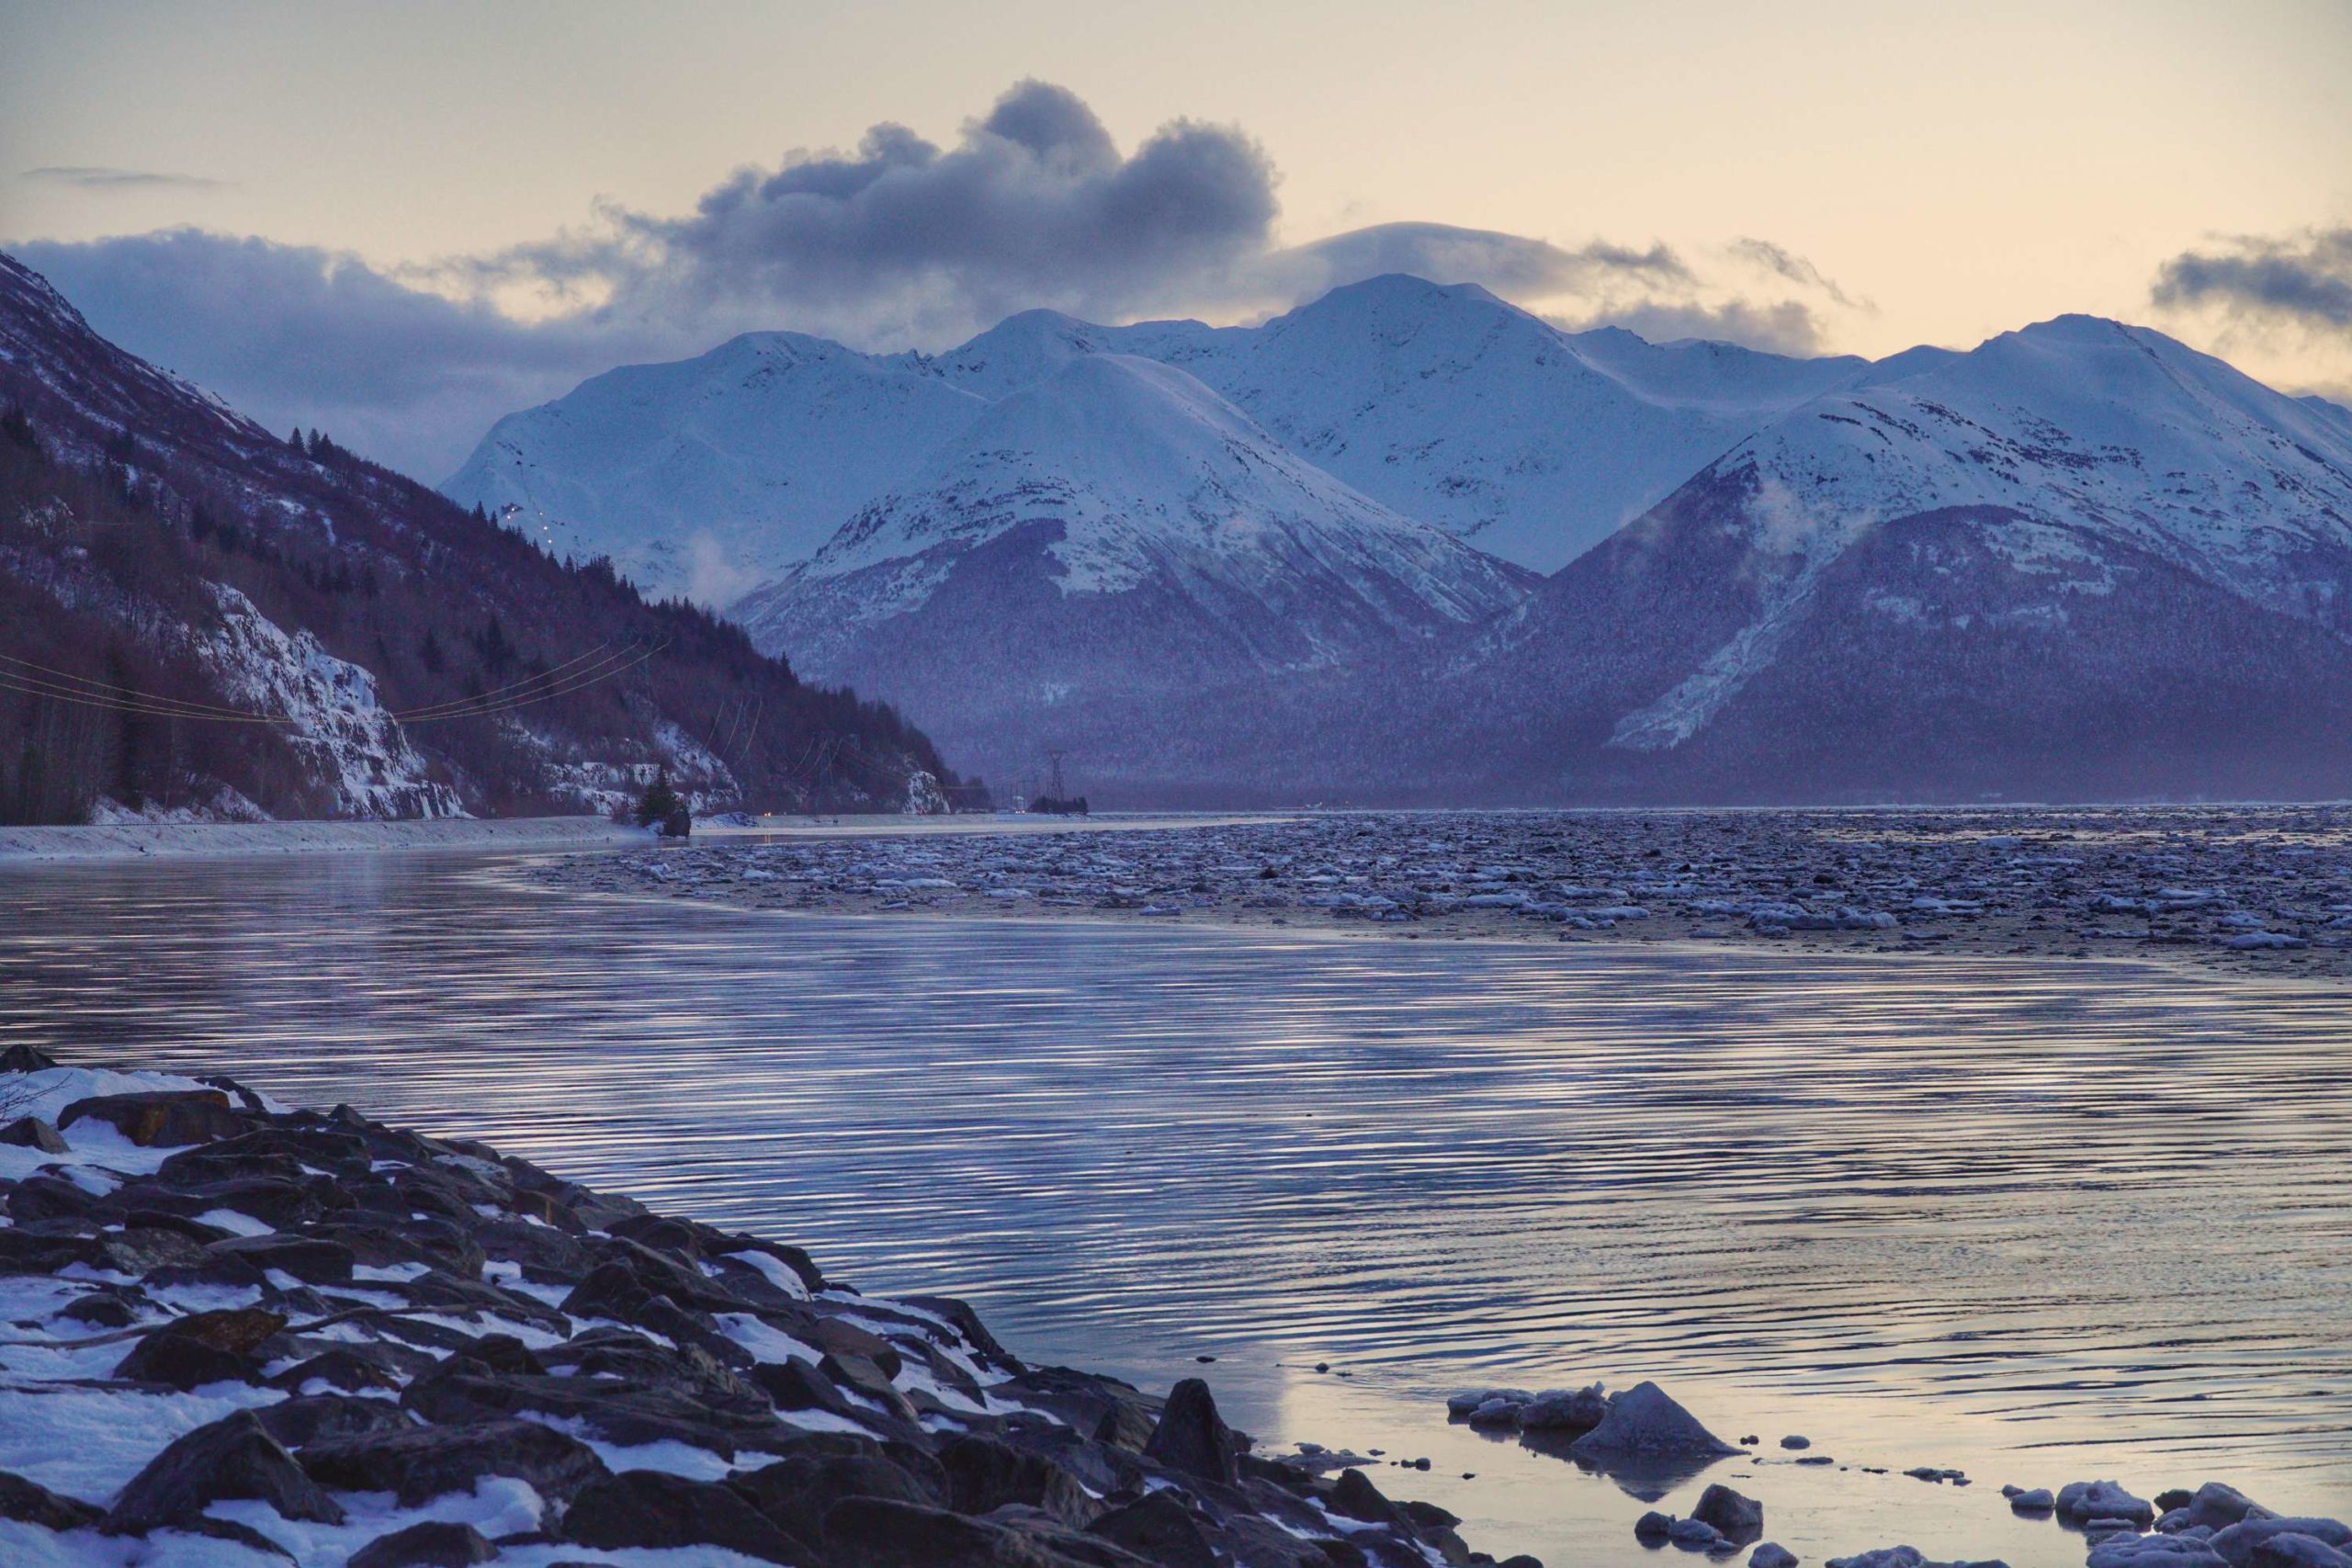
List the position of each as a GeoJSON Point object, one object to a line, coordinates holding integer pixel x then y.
{"type": "Point", "coordinates": [1963, 169]}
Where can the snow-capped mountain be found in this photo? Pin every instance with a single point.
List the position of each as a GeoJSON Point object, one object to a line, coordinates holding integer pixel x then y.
{"type": "Point", "coordinates": [1101, 547]}
{"type": "Point", "coordinates": [1449, 405]}
{"type": "Point", "coordinates": [2080, 558]}
{"type": "Point", "coordinates": [712, 476]}
{"type": "Point", "coordinates": [1443, 403]}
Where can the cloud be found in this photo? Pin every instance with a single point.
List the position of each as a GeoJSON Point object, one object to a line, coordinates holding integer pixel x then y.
{"type": "Point", "coordinates": [292, 334]}
{"type": "Point", "coordinates": [1508, 265]}
{"type": "Point", "coordinates": [898, 243]}
{"type": "Point", "coordinates": [901, 242]}
{"type": "Point", "coordinates": [2305, 280]}
{"type": "Point", "coordinates": [1781, 263]}
{"type": "Point", "coordinates": [98, 178]}
{"type": "Point", "coordinates": [1786, 326]}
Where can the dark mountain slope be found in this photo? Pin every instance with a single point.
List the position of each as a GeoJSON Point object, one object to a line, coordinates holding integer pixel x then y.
{"type": "Point", "coordinates": [161, 555]}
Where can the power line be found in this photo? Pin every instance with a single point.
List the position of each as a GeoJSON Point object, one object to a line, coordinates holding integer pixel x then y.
{"type": "Point", "coordinates": [585, 670]}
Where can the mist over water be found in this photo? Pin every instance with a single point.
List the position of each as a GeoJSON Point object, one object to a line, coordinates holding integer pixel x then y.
{"type": "Point", "coordinates": [2039, 1220]}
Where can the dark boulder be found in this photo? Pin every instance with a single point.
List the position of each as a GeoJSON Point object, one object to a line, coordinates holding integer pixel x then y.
{"type": "Point", "coordinates": [29, 1503]}
{"type": "Point", "coordinates": [2291, 1549]}
{"type": "Point", "coordinates": [203, 1347]}
{"type": "Point", "coordinates": [281, 1205]}
{"type": "Point", "coordinates": [866, 1378]}
{"type": "Point", "coordinates": [1160, 1529]}
{"type": "Point", "coordinates": [654, 1508]}
{"type": "Point", "coordinates": [2212, 1507]}
{"type": "Point", "coordinates": [1644, 1424]}
{"type": "Point", "coordinates": [26, 1059]}
{"type": "Point", "coordinates": [984, 1475]}
{"type": "Point", "coordinates": [418, 1463]}
{"type": "Point", "coordinates": [164, 1118]}
{"type": "Point", "coordinates": [1354, 1496]}
{"type": "Point", "coordinates": [311, 1418]}
{"type": "Point", "coordinates": [883, 1533]}
{"type": "Point", "coordinates": [23, 1252]}
{"type": "Point", "coordinates": [234, 1458]}
{"type": "Point", "coordinates": [173, 1361]}
{"type": "Point", "coordinates": [307, 1258]}
{"type": "Point", "coordinates": [2238, 1543]}
{"type": "Point", "coordinates": [844, 1339]}
{"type": "Point", "coordinates": [959, 1312]}
{"type": "Point", "coordinates": [1738, 1519]}
{"type": "Point", "coordinates": [32, 1132]}
{"type": "Point", "coordinates": [796, 1385]}
{"type": "Point", "coordinates": [613, 1409]}
{"type": "Point", "coordinates": [425, 1546]}
{"type": "Point", "coordinates": [106, 1307]}
{"type": "Point", "coordinates": [797, 1491]}
{"type": "Point", "coordinates": [1191, 1437]}
{"type": "Point", "coordinates": [338, 1368]}
{"type": "Point", "coordinates": [142, 1251]}
{"type": "Point", "coordinates": [277, 1151]}
{"type": "Point", "coordinates": [46, 1197]}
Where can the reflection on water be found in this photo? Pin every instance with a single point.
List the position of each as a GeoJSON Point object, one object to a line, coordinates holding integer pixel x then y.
{"type": "Point", "coordinates": [2038, 1220]}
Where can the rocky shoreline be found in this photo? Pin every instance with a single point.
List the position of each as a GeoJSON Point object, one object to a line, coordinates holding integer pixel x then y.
{"type": "Point", "coordinates": [240, 1333]}
{"type": "Point", "coordinates": [1649, 1443]}
{"type": "Point", "coordinates": [2264, 890]}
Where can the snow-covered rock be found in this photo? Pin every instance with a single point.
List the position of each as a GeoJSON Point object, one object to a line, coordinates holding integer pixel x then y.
{"type": "Point", "coordinates": [357, 747]}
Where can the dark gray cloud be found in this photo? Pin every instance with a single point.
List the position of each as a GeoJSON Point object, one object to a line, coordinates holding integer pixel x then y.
{"type": "Point", "coordinates": [2305, 280]}
{"type": "Point", "coordinates": [897, 243]}
{"type": "Point", "coordinates": [97, 176]}
{"type": "Point", "coordinates": [904, 241]}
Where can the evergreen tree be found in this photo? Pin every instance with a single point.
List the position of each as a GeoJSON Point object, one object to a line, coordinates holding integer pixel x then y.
{"type": "Point", "coordinates": [660, 802]}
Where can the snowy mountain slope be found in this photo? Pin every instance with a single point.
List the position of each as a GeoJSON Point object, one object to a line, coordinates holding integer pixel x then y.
{"type": "Point", "coordinates": [1450, 405]}
{"type": "Point", "coordinates": [2077, 508]}
{"type": "Point", "coordinates": [1110, 536]}
{"type": "Point", "coordinates": [712, 474]}
{"type": "Point", "coordinates": [1443, 403]}
{"type": "Point", "coordinates": [1036, 345]}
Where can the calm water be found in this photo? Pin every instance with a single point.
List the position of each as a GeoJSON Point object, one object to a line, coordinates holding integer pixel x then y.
{"type": "Point", "coordinates": [2039, 1221]}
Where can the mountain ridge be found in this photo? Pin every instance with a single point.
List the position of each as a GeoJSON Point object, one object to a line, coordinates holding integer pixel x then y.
{"type": "Point", "coordinates": [1116, 536]}
{"type": "Point", "coordinates": [209, 619]}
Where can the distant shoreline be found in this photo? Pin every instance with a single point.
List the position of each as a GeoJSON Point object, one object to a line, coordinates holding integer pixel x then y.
{"type": "Point", "coordinates": [191, 841]}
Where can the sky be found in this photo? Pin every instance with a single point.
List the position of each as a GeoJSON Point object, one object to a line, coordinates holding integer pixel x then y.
{"type": "Point", "coordinates": [400, 222]}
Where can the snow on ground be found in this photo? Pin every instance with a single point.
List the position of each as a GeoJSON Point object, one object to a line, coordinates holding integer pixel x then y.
{"type": "Point", "coordinates": [169, 839]}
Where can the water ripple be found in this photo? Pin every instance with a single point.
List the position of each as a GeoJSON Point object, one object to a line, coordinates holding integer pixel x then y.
{"type": "Point", "coordinates": [2012, 1204]}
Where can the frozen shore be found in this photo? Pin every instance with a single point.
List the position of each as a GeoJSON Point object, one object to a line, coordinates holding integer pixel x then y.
{"type": "Point", "coordinates": [2263, 890]}
{"type": "Point", "coordinates": [243, 1334]}
{"type": "Point", "coordinates": [170, 840]}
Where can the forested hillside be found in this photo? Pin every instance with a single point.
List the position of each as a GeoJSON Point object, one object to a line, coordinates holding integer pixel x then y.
{"type": "Point", "coordinates": [204, 617]}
